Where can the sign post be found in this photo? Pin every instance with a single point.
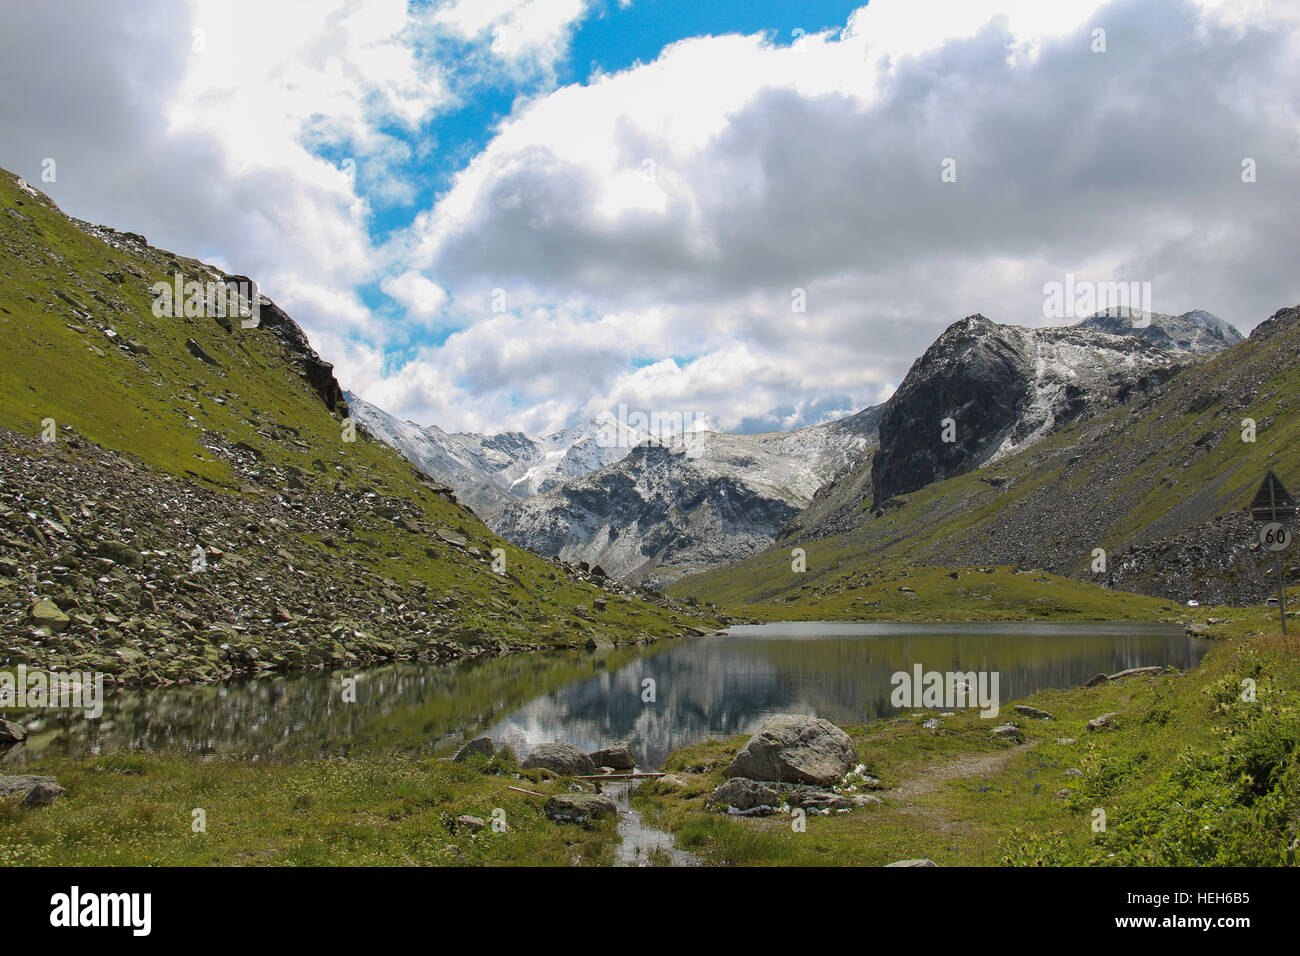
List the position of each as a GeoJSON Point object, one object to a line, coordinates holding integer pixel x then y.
{"type": "Point", "coordinates": [1274, 506]}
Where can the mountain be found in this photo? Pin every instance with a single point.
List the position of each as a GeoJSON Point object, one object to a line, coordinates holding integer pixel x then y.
{"type": "Point", "coordinates": [1197, 331]}
{"type": "Point", "coordinates": [181, 497]}
{"type": "Point", "coordinates": [983, 391]}
{"type": "Point", "coordinates": [488, 472]}
{"type": "Point", "coordinates": [1146, 491]}
{"type": "Point", "coordinates": [668, 509]}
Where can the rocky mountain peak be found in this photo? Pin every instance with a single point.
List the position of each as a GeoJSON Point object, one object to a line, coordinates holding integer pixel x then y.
{"type": "Point", "coordinates": [983, 391]}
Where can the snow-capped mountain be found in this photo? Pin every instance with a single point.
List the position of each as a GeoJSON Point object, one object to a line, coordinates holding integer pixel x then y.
{"type": "Point", "coordinates": [1197, 331]}
{"type": "Point", "coordinates": [487, 472]}
{"type": "Point", "coordinates": [668, 509]}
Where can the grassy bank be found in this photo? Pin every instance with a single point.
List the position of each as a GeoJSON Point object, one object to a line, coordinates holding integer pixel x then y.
{"type": "Point", "coordinates": [831, 592]}
{"type": "Point", "coordinates": [1187, 774]}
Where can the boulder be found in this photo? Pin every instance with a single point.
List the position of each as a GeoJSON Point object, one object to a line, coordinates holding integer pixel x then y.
{"type": "Point", "coordinates": [796, 749]}
{"type": "Point", "coordinates": [470, 823]}
{"type": "Point", "coordinates": [564, 759]}
{"type": "Point", "coordinates": [619, 757]}
{"type": "Point", "coordinates": [580, 808]}
{"type": "Point", "coordinates": [1095, 680]}
{"type": "Point", "coordinates": [1033, 712]}
{"type": "Point", "coordinates": [912, 863]}
{"type": "Point", "coordinates": [1007, 732]}
{"type": "Point", "coordinates": [121, 553]}
{"type": "Point", "coordinates": [32, 791]}
{"type": "Point", "coordinates": [1099, 722]}
{"type": "Point", "coordinates": [11, 733]}
{"type": "Point", "coordinates": [479, 746]}
{"type": "Point", "coordinates": [744, 794]}
{"type": "Point", "coordinates": [47, 614]}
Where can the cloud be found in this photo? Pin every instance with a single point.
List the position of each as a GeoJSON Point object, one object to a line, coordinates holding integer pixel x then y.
{"type": "Point", "coordinates": [702, 190]}
{"type": "Point", "coordinates": [652, 233]}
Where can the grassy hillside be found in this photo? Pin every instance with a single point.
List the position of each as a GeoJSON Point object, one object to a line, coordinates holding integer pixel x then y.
{"type": "Point", "coordinates": [1160, 486]}
{"type": "Point", "coordinates": [176, 433]}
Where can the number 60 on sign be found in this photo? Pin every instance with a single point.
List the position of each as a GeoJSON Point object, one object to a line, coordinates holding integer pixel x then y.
{"type": "Point", "coordinates": [1275, 536]}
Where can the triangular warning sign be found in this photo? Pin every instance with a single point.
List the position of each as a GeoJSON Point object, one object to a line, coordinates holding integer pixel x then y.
{"type": "Point", "coordinates": [1272, 501]}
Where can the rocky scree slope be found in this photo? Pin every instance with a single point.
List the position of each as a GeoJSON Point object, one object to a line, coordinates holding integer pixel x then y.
{"type": "Point", "coordinates": [1159, 481]}
{"type": "Point", "coordinates": [664, 511]}
{"type": "Point", "coordinates": [191, 441]}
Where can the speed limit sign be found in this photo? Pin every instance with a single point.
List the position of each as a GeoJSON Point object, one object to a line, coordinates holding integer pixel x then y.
{"type": "Point", "coordinates": [1275, 536]}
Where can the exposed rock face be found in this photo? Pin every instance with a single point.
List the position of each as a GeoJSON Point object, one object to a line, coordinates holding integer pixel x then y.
{"type": "Point", "coordinates": [318, 373]}
{"type": "Point", "coordinates": [664, 511]}
{"type": "Point", "coordinates": [564, 759]}
{"type": "Point", "coordinates": [796, 749]}
{"type": "Point", "coordinates": [581, 808]}
{"type": "Point", "coordinates": [1198, 331]}
{"type": "Point", "coordinates": [1005, 388]}
{"type": "Point", "coordinates": [11, 733]}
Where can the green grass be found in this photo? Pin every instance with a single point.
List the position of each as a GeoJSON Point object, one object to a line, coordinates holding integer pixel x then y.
{"type": "Point", "coordinates": [836, 588]}
{"type": "Point", "coordinates": [138, 810]}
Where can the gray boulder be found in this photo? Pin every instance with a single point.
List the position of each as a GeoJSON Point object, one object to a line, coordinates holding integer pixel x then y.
{"type": "Point", "coordinates": [1103, 721]}
{"type": "Point", "coordinates": [1033, 712]}
{"type": "Point", "coordinates": [619, 757]}
{"type": "Point", "coordinates": [796, 749]}
{"type": "Point", "coordinates": [912, 863]}
{"type": "Point", "coordinates": [581, 808]}
{"type": "Point", "coordinates": [32, 791]}
{"type": "Point", "coordinates": [564, 759]}
{"type": "Point", "coordinates": [745, 795]}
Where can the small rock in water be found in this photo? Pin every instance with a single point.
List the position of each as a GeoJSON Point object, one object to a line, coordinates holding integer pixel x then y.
{"type": "Point", "coordinates": [619, 757]}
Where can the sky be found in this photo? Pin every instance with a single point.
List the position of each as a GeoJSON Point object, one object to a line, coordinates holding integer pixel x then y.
{"type": "Point", "coordinates": [521, 214]}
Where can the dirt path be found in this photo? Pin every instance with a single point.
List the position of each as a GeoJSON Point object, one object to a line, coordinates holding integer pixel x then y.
{"type": "Point", "coordinates": [929, 778]}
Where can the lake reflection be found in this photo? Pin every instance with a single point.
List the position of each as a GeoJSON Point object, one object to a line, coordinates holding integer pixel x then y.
{"type": "Point", "coordinates": [703, 687]}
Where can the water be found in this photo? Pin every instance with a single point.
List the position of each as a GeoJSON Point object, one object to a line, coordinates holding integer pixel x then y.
{"type": "Point", "coordinates": [702, 687]}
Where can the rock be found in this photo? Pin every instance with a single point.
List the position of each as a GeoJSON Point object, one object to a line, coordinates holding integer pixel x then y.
{"type": "Point", "coordinates": [580, 808]}
{"type": "Point", "coordinates": [912, 863]}
{"type": "Point", "coordinates": [1099, 722]}
{"type": "Point", "coordinates": [200, 353]}
{"type": "Point", "coordinates": [670, 780]}
{"type": "Point", "coordinates": [1196, 630]}
{"type": "Point", "coordinates": [931, 724]}
{"type": "Point", "coordinates": [479, 746]}
{"type": "Point", "coordinates": [1096, 680]}
{"type": "Point", "coordinates": [46, 613]}
{"type": "Point", "coordinates": [1033, 712]}
{"type": "Point", "coordinates": [121, 553]}
{"type": "Point", "coordinates": [619, 757]}
{"type": "Point", "coordinates": [1135, 671]}
{"type": "Point", "coordinates": [11, 733]}
{"type": "Point", "coordinates": [1007, 732]}
{"type": "Point", "coordinates": [1066, 741]}
{"type": "Point", "coordinates": [796, 749]}
{"type": "Point", "coordinates": [1063, 794]}
{"type": "Point", "coordinates": [1074, 772]}
{"type": "Point", "coordinates": [32, 791]}
{"type": "Point", "coordinates": [745, 795]}
{"type": "Point", "coordinates": [816, 798]}
{"type": "Point", "coordinates": [563, 759]}
{"type": "Point", "coordinates": [472, 824]}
